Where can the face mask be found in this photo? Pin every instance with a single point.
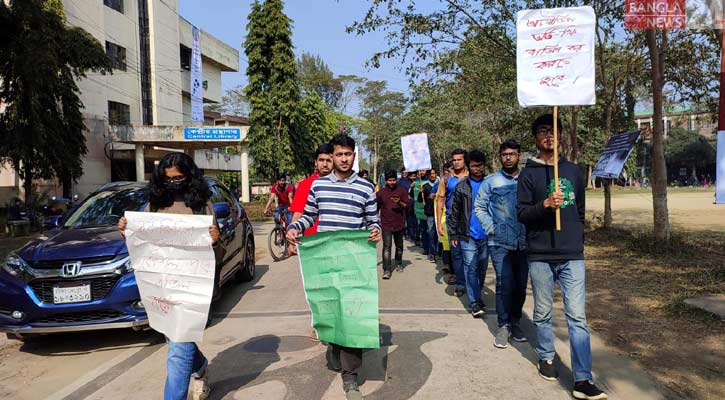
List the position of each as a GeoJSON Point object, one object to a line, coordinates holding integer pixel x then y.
{"type": "Point", "coordinates": [176, 186]}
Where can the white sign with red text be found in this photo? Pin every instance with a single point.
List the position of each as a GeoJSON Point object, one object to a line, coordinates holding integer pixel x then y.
{"type": "Point", "coordinates": [555, 56]}
{"type": "Point", "coordinates": [174, 265]}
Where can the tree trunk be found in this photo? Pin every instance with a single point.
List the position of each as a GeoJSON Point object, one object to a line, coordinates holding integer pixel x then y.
{"type": "Point", "coordinates": [590, 184]}
{"type": "Point", "coordinates": [28, 186]}
{"type": "Point", "coordinates": [608, 203]}
{"type": "Point", "coordinates": [662, 229]}
{"type": "Point", "coordinates": [67, 184]}
{"type": "Point", "coordinates": [574, 145]}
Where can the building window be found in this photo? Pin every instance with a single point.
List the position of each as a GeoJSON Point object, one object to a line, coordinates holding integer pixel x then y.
{"type": "Point", "coordinates": [115, 4]}
{"type": "Point", "coordinates": [118, 113]}
{"type": "Point", "coordinates": [117, 54]}
{"type": "Point", "coordinates": [185, 57]}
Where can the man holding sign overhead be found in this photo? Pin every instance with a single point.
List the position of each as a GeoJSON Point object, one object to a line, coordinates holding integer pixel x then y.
{"type": "Point", "coordinates": [555, 67]}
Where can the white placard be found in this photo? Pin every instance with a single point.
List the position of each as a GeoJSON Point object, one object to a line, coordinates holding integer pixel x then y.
{"type": "Point", "coordinates": [197, 89]}
{"type": "Point", "coordinates": [555, 56]}
{"type": "Point", "coordinates": [416, 154]}
{"type": "Point", "coordinates": [356, 163]}
{"type": "Point", "coordinates": [720, 165]}
{"type": "Point", "coordinates": [173, 261]}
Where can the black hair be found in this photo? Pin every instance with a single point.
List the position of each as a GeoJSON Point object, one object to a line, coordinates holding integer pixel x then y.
{"type": "Point", "coordinates": [448, 164]}
{"type": "Point", "coordinates": [343, 140]}
{"type": "Point", "coordinates": [364, 172]}
{"type": "Point", "coordinates": [476, 156]}
{"type": "Point", "coordinates": [509, 144]}
{"type": "Point", "coordinates": [196, 192]}
{"type": "Point", "coordinates": [390, 174]}
{"type": "Point", "coordinates": [281, 176]}
{"type": "Point", "coordinates": [545, 119]}
{"type": "Point", "coordinates": [459, 151]}
{"type": "Point", "coordinates": [324, 148]}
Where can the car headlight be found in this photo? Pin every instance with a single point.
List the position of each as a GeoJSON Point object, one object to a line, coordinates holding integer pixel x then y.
{"type": "Point", "coordinates": [127, 265]}
{"type": "Point", "coordinates": [14, 265]}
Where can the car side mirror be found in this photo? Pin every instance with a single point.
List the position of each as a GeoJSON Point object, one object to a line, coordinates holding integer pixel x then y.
{"type": "Point", "coordinates": [222, 210]}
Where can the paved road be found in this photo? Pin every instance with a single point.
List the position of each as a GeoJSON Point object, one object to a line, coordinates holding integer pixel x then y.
{"type": "Point", "coordinates": [258, 348]}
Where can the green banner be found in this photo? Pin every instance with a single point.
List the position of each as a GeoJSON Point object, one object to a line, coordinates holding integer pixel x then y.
{"type": "Point", "coordinates": [340, 275]}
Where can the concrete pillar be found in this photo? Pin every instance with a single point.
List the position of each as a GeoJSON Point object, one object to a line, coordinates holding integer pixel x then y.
{"type": "Point", "coordinates": [139, 163]}
{"type": "Point", "coordinates": [245, 172]}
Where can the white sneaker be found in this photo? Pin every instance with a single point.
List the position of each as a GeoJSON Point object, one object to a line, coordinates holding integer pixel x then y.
{"type": "Point", "coordinates": [200, 387]}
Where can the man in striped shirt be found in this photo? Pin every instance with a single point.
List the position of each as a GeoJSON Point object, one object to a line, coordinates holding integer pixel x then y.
{"type": "Point", "coordinates": [343, 201]}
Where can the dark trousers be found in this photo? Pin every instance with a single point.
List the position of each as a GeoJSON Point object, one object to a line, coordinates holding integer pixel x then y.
{"type": "Point", "coordinates": [412, 225]}
{"type": "Point", "coordinates": [388, 237]}
{"type": "Point", "coordinates": [350, 361]}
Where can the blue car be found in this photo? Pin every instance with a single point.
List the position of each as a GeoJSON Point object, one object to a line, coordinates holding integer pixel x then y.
{"type": "Point", "coordinates": [79, 277]}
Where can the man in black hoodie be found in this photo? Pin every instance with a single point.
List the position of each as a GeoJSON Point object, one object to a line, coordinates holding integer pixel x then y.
{"type": "Point", "coordinates": [556, 255]}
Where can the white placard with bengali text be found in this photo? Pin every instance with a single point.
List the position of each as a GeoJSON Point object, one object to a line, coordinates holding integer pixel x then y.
{"type": "Point", "coordinates": [416, 154]}
{"type": "Point", "coordinates": [555, 56]}
{"type": "Point", "coordinates": [174, 263]}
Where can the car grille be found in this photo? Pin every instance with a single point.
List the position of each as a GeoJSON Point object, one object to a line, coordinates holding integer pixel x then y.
{"type": "Point", "coordinates": [100, 286]}
{"type": "Point", "coordinates": [89, 316]}
{"type": "Point", "coordinates": [58, 264]}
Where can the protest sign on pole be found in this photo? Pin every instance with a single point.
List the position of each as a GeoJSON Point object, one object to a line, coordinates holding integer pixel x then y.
{"type": "Point", "coordinates": [615, 155]}
{"type": "Point", "coordinates": [416, 154]}
{"type": "Point", "coordinates": [174, 265]}
{"type": "Point", "coordinates": [340, 276]}
{"type": "Point", "coordinates": [555, 63]}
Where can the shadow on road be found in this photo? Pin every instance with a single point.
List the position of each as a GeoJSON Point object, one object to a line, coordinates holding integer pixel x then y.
{"type": "Point", "coordinates": [75, 343]}
{"type": "Point", "coordinates": [233, 293]}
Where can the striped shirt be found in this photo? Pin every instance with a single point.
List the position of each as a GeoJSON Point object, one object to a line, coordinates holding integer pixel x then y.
{"type": "Point", "coordinates": [341, 204]}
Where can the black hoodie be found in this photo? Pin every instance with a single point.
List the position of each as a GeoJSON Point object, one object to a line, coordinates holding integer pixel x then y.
{"type": "Point", "coordinates": [543, 241]}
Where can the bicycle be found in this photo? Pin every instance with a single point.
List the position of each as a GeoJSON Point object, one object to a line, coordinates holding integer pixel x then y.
{"type": "Point", "coordinates": [277, 241]}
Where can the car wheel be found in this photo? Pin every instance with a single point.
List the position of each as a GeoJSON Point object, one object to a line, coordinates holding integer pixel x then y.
{"type": "Point", "coordinates": [247, 270]}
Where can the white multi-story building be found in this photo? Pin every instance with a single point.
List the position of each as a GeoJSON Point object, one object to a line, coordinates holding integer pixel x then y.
{"type": "Point", "coordinates": [139, 112]}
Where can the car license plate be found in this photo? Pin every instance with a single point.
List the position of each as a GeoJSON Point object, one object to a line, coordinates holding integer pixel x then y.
{"type": "Point", "coordinates": [71, 293]}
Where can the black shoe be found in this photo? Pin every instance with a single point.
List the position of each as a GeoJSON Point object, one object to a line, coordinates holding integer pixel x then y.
{"type": "Point", "coordinates": [517, 334]}
{"type": "Point", "coordinates": [482, 305]}
{"type": "Point", "coordinates": [459, 292]}
{"type": "Point", "coordinates": [399, 268]}
{"type": "Point", "coordinates": [352, 391]}
{"type": "Point", "coordinates": [477, 311]}
{"type": "Point", "coordinates": [386, 275]}
{"type": "Point", "coordinates": [547, 370]}
{"type": "Point", "coordinates": [586, 390]}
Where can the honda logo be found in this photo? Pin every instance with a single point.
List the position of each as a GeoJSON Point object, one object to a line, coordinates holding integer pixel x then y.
{"type": "Point", "coordinates": [71, 269]}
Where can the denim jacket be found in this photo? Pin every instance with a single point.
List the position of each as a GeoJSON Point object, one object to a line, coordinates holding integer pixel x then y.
{"type": "Point", "coordinates": [496, 210]}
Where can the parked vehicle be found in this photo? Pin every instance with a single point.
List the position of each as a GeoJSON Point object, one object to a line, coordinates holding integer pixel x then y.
{"type": "Point", "coordinates": [79, 276]}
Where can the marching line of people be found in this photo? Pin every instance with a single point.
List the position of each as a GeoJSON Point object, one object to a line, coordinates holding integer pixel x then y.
{"type": "Point", "coordinates": [508, 215]}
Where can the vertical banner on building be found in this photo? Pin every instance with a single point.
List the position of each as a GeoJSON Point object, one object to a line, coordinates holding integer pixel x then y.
{"type": "Point", "coordinates": [720, 173]}
{"type": "Point", "coordinates": [197, 91]}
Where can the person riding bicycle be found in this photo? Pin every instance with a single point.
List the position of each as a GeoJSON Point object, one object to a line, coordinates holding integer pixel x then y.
{"type": "Point", "coordinates": [282, 192]}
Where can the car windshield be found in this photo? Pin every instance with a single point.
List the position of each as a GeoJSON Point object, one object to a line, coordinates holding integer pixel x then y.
{"type": "Point", "coordinates": [106, 207]}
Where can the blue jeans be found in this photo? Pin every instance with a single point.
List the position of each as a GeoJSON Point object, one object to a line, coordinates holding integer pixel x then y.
{"type": "Point", "coordinates": [570, 275]}
{"type": "Point", "coordinates": [432, 236]}
{"type": "Point", "coordinates": [512, 275]}
{"type": "Point", "coordinates": [475, 263]}
{"type": "Point", "coordinates": [287, 215]}
{"type": "Point", "coordinates": [183, 361]}
{"type": "Point", "coordinates": [423, 234]}
{"type": "Point", "coordinates": [457, 264]}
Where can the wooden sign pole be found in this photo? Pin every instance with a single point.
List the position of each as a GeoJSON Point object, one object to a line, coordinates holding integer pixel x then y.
{"type": "Point", "coordinates": [556, 164]}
